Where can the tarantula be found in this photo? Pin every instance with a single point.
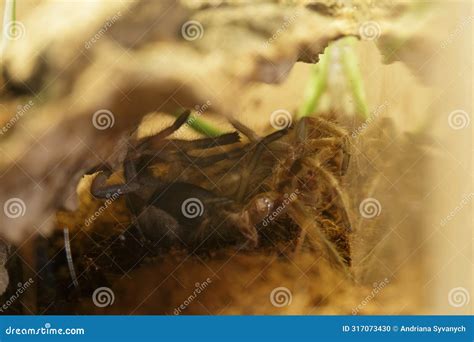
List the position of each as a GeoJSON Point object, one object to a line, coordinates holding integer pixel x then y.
{"type": "Point", "coordinates": [269, 185]}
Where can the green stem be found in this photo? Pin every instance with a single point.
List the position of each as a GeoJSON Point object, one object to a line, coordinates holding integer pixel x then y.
{"type": "Point", "coordinates": [202, 126]}
{"type": "Point", "coordinates": [316, 85]}
{"type": "Point", "coordinates": [351, 69]}
{"type": "Point", "coordinates": [14, 11]}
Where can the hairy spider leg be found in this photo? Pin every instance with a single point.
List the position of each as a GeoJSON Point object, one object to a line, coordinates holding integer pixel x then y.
{"type": "Point", "coordinates": [329, 128]}
{"type": "Point", "coordinates": [245, 130]}
{"type": "Point", "coordinates": [100, 189]}
{"type": "Point", "coordinates": [258, 149]}
{"type": "Point", "coordinates": [319, 144]}
{"type": "Point", "coordinates": [180, 121]}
